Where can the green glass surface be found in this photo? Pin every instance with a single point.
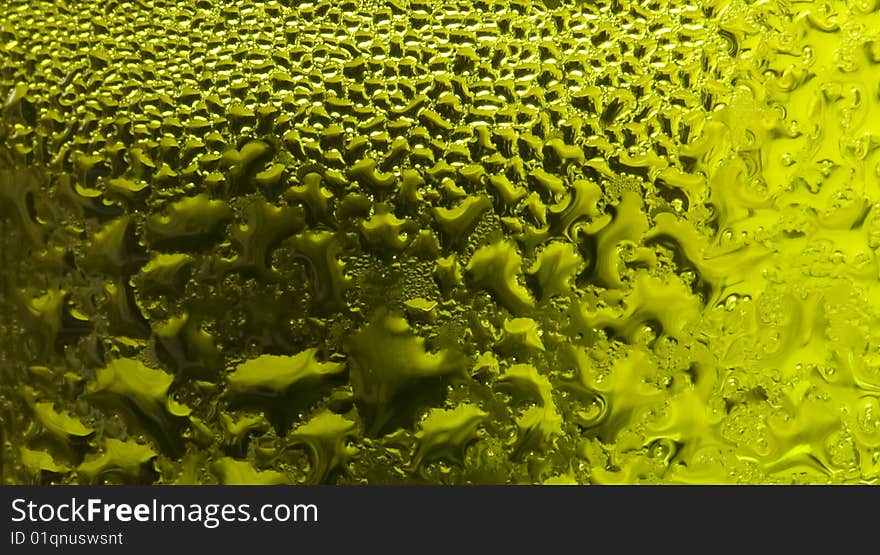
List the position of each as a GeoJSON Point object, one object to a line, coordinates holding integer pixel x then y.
{"type": "Point", "coordinates": [439, 242]}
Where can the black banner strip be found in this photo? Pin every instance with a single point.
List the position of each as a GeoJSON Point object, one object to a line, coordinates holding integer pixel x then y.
{"type": "Point", "coordinates": [388, 519]}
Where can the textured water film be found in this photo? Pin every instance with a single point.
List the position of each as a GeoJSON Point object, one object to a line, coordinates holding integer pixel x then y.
{"type": "Point", "coordinates": [426, 241]}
